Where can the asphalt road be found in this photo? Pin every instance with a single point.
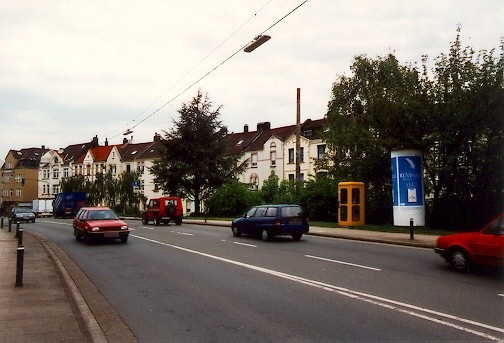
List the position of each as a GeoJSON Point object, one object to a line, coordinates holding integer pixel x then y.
{"type": "Point", "coordinates": [199, 283]}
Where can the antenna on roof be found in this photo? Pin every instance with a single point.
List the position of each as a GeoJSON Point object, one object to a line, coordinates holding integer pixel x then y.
{"type": "Point", "coordinates": [129, 131]}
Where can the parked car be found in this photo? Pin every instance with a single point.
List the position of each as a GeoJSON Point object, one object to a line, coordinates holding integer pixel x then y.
{"type": "Point", "coordinates": [92, 223]}
{"type": "Point", "coordinates": [483, 247]}
{"type": "Point", "coordinates": [269, 221]}
{"type": "Point", "coordinates": [21, 214]}
{"type": "Point", "coordinates": [163, 210]}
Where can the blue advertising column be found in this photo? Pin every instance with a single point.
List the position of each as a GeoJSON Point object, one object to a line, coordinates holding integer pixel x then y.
{"type": "Point", "coordinates": [408, 187]}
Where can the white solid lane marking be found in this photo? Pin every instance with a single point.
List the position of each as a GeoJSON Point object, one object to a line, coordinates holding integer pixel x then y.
{"type": "Point", "coordinates": [345, 263]}
{"type": "Point", "coordinates": [245, 244]}
{"type": "Point", "coordinates": [185, 233]}
{"type": "Point", "coordinates": [398, 306]}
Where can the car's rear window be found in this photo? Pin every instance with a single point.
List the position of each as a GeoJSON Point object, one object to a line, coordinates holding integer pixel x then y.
{"type": "Point", "coordinates": [290, 211]}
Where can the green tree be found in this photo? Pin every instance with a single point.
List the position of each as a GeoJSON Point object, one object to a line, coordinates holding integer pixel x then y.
{"type": "Point", "coordinates": [453, 114]}
{"type": "Point", "coordinates": [464, 157]}
{"type": "Point", "coordinates": [194, 161]}
{"type": "Point", "coordinates": [381, 107]}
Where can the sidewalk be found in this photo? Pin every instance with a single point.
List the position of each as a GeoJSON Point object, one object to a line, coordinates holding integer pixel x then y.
{"type": "Point", "coordinates": [55, 302]}
{"type": "Point", "coordinates": [58, 303]}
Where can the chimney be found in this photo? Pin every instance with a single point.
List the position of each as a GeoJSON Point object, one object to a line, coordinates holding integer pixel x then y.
{"type": "Point", "coordinates": [245, 128]}
{"type": "Point", "coordinates": [43, 147]}
{"type": "Point", "coordinates": [264, 126]}
{"type": "Point", "coordinates": [125, 140]}
{"type": "Point", "coordinates": [157, 137]}
{"type": "Point", "coordinates": [106, 142]}
{"type": "Point", "coordinates": [95, 140]}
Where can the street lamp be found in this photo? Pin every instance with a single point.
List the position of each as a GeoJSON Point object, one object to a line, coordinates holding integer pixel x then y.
{"type": "Point", "coordinates": [257, 42]}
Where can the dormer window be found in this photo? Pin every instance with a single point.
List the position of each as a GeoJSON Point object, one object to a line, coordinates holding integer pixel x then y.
{"type": "Point", "coordinates": [239, 142]}
{"type": "Point", "coordinates": [308, 133]}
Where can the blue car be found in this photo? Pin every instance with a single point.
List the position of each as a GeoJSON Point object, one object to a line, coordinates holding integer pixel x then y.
{"type": "Point", "coordinates": [269, 221]}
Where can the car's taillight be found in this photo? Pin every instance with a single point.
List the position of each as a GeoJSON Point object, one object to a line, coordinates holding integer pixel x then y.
{"type": "Point", "coordinates": [277, 223]}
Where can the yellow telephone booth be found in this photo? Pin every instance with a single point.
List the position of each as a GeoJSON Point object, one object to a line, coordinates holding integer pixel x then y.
{"type": "Point", "coordinates": [351, 207]}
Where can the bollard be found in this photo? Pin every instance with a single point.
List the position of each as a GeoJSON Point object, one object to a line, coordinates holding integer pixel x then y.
{"type": "Point", "coordinates": [411, 232]}
{"type": "Point", "coordinates": [17, 230]}
{"type": "Point", "coordinates": [10, 225]}
{"type": "Point", "coordinates": [19, 267]}
{"type": "Point", "coordinates": [20, 238]}
{"type": "Point", "coordinates": [2, 223]}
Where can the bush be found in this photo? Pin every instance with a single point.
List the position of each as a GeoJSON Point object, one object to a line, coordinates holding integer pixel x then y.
{"type": "Point", "coordinates": [232, 199]}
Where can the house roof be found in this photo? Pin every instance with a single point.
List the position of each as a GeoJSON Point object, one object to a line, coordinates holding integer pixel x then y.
{"type": "Point", "coordinates": [28, 158]}
{"type": "Point", "coordinates": [141, 151]}
{"type": "Point", "coordinates": [255, 140]}
{"type": "Point", "coordinates": [72, 152]}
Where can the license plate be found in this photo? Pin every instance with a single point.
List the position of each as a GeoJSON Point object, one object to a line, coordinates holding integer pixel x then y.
{"type": "Point", "coordinates": [295, 222]}
{"type": "Point", "coordinates": [111, 234]}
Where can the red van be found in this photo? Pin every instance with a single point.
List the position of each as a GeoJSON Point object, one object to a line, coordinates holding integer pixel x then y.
{"type": "Point", "coordinates": [163, 210]}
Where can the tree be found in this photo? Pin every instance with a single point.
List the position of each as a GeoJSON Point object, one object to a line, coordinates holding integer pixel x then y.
{"type": "Point", "coordinates": [464, 158]}
{"type": "Point", "coordinates": [232, 199]}
{"type": "Point", "coordinates": [380, 108]}
{"type": "Point", "coordinates": [194, 163]}
{"type": "Point", "coordinates": [453, 114]}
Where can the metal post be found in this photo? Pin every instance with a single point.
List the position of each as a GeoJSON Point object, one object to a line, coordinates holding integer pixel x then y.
{"type": "Point", "coordinates": [19, 267]}
{"type": "Point", "coordinates": [411, 232]}
{"type": "Point", "coordinates": [20, 237]}
{"type": "Point", "coordinates": [10, 225]}
{"type": "Point", "coordinates": [17, 230]}
{"type": "Point", "coordinates": [2, 223]}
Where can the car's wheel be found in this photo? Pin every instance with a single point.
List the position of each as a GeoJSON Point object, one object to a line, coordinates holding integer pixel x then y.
{"type": "Point", "coordinates": [33, 220]}
{"type": "Point", "coordinates": [297, 236]}
{"type": "Point", "coordinates": [157, 221]}
{"type": "Point", "coordinates": [124, 239]}
{"type": "Point", "coordinates": [145, 221]}
{"type": "Point", "coordinates": [178, 221]}
{"type": "Point", "coordinates": [459, 260]}
{"type": "Point", "coordinates": [266, 235]}
{"type": "Point", "coordinates": [236, 231]}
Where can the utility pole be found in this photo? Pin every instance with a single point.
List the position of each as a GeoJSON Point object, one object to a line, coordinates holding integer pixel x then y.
{"type": "Point", "coordinates": [298, 140]}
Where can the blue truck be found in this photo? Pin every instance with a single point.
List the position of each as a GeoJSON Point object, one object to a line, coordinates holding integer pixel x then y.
{"type": "Point", "coordinates": [67, 204]}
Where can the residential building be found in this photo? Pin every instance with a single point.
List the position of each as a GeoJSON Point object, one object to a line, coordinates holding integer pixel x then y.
{"type": "Point", "coordinates": [268, 150]}
{"type": "Point", "coordinates": [55, 165]}
{"type": "Point", "coordinates": [20, 177]}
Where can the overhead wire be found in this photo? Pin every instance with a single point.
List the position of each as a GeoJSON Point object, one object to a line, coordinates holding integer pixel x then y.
{"type": "Point", "coordinates": [214, 68]}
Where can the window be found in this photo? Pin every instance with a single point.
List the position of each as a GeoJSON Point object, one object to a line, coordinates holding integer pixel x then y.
{"type": "Point", "coordinates": [45, 189]}
{"type": "Point", "coordinates": [113, 169]}
{"type": "Point", "coordinates": [301, 154]}
{"type": "Point", "coordinates": [55, 173]}
{"type": "Point", "coordinates": [18, 178]}
{"type": "Point", "coordinates": [273, 154]}
{"type": "Point", "coordinates": [308, 133]}
{"type": "Point", "coordinates": [291, 155]}
{"type": "Point", "coordinates": [18, 192]}
{"type": "Point", "coordinates": [88, 169]}
{"type": "Point", "coordinates": [291, 178]}
{"type": "Point", "coordinates": [66, 172]}
{"type": "Point", "coordinates": [128, 168]}
{"type": "Point", "coordinates": [321, 151]}
{"type": "Point", "coordinates": [254, 182]}
{"type": "Point", "coordinates": [46, 174]}
{"type": "Point", "coordinates": [254, 160]}
{"type": "Point", "coordinates": [55, 189]}
{"type": "Point", "coordinates": [271, 212]}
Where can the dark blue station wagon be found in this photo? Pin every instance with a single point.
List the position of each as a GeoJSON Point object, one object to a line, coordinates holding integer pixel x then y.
{"type": "Point", "coordinates": [269, 221]}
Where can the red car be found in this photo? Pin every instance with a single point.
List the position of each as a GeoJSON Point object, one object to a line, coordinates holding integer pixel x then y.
{"type": "Point", "coordinates": [92, 223]}
{"type": "Point", "coordinates": [484, 247]}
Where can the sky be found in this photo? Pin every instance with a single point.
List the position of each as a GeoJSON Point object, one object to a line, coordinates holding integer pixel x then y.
{"type": "Point", "coordinates": [72, 70]}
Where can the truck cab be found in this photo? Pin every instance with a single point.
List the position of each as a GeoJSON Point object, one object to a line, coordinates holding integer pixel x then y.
{"type": "Point", "coordinates": [163, 210]}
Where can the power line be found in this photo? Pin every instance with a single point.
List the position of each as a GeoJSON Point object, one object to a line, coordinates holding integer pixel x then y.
{"type": "Point", "coordinates": [217, 66]}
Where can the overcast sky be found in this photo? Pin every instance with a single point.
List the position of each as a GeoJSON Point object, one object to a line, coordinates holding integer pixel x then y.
{"type": "Point", "coordinates": [71, 70]}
